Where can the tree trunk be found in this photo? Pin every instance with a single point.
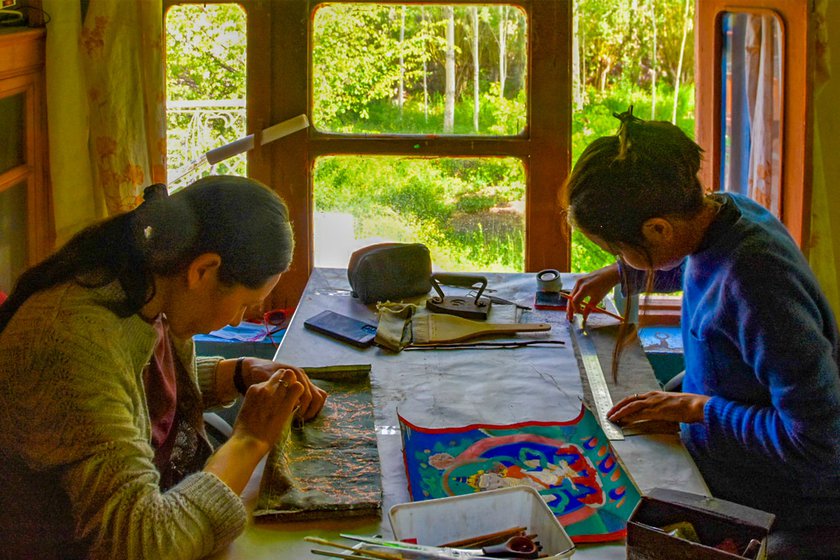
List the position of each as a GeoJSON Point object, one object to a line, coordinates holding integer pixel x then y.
{"type": "Point", "coordinates": [502, 50]}
{"type": "Point", "coordinates": [653, 64]}
{"type": "Point", "coordinates": [679, 65]}
{"type": "Point", "coordinates": [401, 93]}
{"type": "Point", "coordinates": [476, 68]}
{"type": "Point", "coordinates": [449, 95]}
{"type": "Point", "coordinates": [577, 94]}
{"type": "Point", "coordinates": [425, 64]}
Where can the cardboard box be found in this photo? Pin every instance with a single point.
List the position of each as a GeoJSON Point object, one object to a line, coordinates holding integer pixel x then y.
{"type": "Point", "coordinates": [714, 521]}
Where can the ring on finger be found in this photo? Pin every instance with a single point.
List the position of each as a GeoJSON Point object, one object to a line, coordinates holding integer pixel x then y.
{"type": "Point", "coordinates": [636, 395]}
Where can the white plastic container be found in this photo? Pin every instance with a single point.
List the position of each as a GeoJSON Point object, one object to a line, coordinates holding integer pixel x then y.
{"type": "Point", "coordinates": [444, 520]}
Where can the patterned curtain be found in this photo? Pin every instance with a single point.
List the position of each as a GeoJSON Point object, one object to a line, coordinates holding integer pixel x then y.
{"type": "Point", "coordinates": [106, 107]}
{"type": "Point", "coordinates": [122, 52]}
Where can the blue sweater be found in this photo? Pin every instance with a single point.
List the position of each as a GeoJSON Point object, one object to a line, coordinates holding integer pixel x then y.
{"type": "Point", "coordinates": [761, 340]}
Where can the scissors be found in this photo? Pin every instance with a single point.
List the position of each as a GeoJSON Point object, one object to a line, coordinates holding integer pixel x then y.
{"type": "Point", "coordinates": [514, 547]}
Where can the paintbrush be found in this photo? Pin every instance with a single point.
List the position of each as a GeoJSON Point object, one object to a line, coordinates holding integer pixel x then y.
{"type": "Point", "coordinates": [437, 328]}
{"type": "Point", "coordinates": [359, 551]}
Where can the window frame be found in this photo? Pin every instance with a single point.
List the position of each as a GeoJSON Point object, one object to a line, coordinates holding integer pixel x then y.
{"type": "Point", "coordinates": [797, 108]}
{"type": "Point", "coordinates": [287, 164]}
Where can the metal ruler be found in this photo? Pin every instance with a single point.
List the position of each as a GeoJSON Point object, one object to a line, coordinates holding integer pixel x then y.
{"type": "Point", "coordinates": [595, 375]}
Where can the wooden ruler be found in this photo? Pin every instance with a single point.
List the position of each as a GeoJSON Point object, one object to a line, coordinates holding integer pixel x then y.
{"type": "Point", "coordinates": [595, 375]}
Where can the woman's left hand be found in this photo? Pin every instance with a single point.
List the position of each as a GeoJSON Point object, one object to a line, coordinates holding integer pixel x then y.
{"type": "Point", "coordinates": [256, 370]}
{"type": "Point", "coordinates": [658, 405]}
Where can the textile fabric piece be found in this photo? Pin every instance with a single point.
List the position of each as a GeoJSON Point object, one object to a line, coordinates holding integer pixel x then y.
{"type": "Point", "coordinates": [394, 328]}
{"type": "Point", "coordinates": [329, 467]}
{"type": "Point", "coordinates": [570, 464]}
{"type": "Point", "coordinates": [159, 380]}
{"type": "Point", "coordinates": [122, 53]}
{"type": "Point", "coordinates": [766, 349]}
{"type": "Point", "coordinates": [78, 477]}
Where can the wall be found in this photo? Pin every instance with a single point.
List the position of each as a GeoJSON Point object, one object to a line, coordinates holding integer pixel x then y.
{"type": "Point", "coordinates": [827, 168]}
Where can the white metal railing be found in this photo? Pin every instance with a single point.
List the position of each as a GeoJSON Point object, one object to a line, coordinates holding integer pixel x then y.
{"type": "Point", "coordinates": [196, 126]}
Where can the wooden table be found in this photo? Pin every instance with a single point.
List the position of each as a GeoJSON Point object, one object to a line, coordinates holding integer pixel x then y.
{"type": "Point", "coordinates": [456, 387]}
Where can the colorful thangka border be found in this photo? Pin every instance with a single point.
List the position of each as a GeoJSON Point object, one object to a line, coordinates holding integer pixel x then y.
{"type": "Point", "coordinates": [570, 464]}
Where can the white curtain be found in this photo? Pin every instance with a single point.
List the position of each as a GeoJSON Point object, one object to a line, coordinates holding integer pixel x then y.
{"type": "Point", "coordinates": [754, 71]}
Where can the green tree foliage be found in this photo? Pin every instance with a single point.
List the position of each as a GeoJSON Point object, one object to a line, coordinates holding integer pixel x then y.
{"type": "Point", "coordinates": [381, 68]}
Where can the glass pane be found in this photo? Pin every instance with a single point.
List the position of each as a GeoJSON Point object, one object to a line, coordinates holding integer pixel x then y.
{"type": "Point", "coordinates": [12, 131]}
{"type": "Point", "coordinates": [419, 69]}
{"type": "Point", "coordinates": [13, 225]}
{"type": "Point", "coordinates": [620, 57]}
{"type": "Point", "coordinates": [470, 212]}
{"type": "Point", "coordinates": [206, 53]}
{"type": "Point", "coordinates": [751, 111]}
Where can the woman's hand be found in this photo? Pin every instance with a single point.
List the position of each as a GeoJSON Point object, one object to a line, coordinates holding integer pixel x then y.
{"type": "Point", "coordinates": [590, 289]}
{"type": "Point", "coordinates": [265, 415]}
{"type": "Point", "coordinates": [268, 408]}
{"type": "Point", "coordinates": [312, 398]}
{"type": "Point", "coordinates": [658, 405]}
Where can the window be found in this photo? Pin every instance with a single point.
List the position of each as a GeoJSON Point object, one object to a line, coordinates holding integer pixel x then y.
{"type": "Point", "coordinates": [538, 149]}
{"type": "Point", "coordinates": [789, 98]}
{"type": "Point", "coordinates": [206, 77]}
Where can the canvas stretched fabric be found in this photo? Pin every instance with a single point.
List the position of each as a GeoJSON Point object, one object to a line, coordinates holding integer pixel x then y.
{"type": "Point", "coordinates": [570, 464]}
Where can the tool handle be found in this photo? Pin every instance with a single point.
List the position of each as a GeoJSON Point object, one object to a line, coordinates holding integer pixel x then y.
{"type": "Point", "coordinates": [515, 327]}
{"type": "Point", "coordinates": [462, 280]}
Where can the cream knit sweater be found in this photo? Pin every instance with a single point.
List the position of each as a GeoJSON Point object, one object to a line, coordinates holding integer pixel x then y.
{"type": "Point", "coordinates": [76, 471]}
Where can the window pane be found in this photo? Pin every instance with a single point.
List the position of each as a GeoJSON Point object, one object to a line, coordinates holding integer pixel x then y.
{"type": "Point", "coordinates": [642, 57]}
{"type": "Point", "coordinates": [13, 228]}
{"type": "Point", "coordinates": [205, 84]}
{"type": "Point", "coordinates": [419, 69]}
{"type": "Point", "coordinates": [468, 211]}
{"type": "Point", "coordinates": [12, 131]}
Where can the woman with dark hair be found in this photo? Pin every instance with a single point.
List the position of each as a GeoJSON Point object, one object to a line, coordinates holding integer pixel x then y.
{"type": "Point", "coordinates": [760, 401]}
{"type": "Point", "coordinates": [102, 444]}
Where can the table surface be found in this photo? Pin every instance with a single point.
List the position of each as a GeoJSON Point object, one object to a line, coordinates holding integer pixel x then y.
{"type": "Point", "coordinates": [457, 387]}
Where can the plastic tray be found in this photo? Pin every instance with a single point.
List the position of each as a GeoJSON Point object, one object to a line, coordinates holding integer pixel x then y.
{"type": "Point", "coordinates": [443, 520]}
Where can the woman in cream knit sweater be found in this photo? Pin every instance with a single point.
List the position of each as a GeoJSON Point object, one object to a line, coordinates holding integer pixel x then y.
{"type": "Point", "coordinates": [102, 447]}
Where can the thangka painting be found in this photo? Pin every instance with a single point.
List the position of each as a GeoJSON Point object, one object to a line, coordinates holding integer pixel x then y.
{"type": "Point", "coordinates": [570, 464]}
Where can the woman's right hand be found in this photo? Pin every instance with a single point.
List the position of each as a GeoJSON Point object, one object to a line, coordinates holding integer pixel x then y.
{"type": "Point", "coordinates": [590, 289]}
{"type": "Point", "coordinates": [268, 407]}
{"type": "Point", "coordinates": [266, 412]}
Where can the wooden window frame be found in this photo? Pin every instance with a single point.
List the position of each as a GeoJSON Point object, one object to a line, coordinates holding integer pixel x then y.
{"type": "Point", "coordinates": [279, 44]}
{"type": "Point", "coordinates": [797, 109]}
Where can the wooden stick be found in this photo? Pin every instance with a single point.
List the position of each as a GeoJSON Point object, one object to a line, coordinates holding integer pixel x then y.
{"type": "Point", "coordinates": [362, 551]}
{"type": "Point", "coordinates": [472, 541]}
{"type": "Point", "coordinates": [335, 554]}
{"type": "Point", "coordinates": [594, 308]}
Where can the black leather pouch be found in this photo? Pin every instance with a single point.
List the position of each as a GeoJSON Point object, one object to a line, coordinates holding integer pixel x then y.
{"type": "Point", "coordinates": [390, 271]}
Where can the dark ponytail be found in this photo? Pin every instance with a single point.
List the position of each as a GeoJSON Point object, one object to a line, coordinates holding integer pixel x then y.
{"type": "Point", "coordinates": [239, 219]}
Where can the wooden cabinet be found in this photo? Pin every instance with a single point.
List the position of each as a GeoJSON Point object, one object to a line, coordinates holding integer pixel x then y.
{"type": "Point", "coordinates": [27, 232]}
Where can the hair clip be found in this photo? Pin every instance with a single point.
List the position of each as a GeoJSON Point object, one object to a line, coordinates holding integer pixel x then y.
{"type": "Point", "coordinates": [627, 116]}
{"type": "Point", "coordinates": [155, 192]}
{"type": "Point", "coordinates": [147, 232]}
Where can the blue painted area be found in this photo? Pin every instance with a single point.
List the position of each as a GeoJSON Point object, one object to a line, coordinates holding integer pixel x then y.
{"type": "Point", "coordinates": [245, 339]}
{"type": "Point", "coordinates": [664, 349]}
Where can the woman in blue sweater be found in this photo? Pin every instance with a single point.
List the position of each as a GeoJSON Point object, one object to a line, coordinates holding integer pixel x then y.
{"type": "Point", "coordinates": [760, 401]}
